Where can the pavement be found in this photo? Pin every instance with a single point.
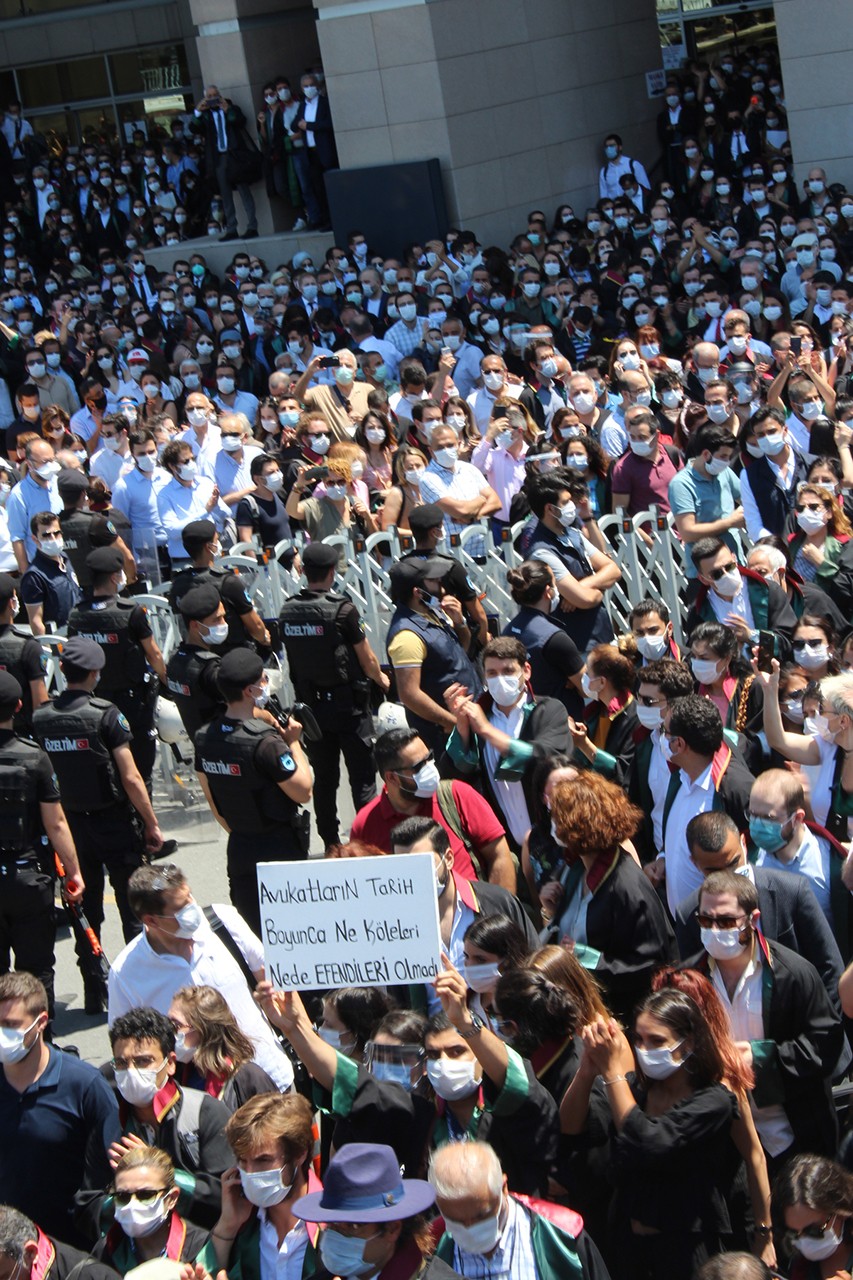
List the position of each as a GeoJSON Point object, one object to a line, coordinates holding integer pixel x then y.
{"type": "Point", "coordinates": [184, 816]}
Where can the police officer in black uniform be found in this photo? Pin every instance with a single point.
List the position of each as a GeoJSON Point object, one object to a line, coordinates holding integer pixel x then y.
{"type": "Point", "coordinates": [21, 655]}
{"type": "Point", "coordinates": [255, 777]}
{"type": "Point", "coordinates": [201, 542]}
{"type": "Point", "coordinates": [331, 666]}
{"type": "Point", "coordinates": [32, 827]}
{"type": "Point", "coordinates": [83, 530]}
{"type": "Point", "coordinates": [123, 630]}
{"type": "Point", "coordinates": [192, 670]}
{"type": "Point", "coordinates": [104, 797]}
{"type": "Point", "coordinates": [427, 525]}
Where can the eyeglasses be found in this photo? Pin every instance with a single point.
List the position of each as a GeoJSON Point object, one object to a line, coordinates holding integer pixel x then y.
{"type": "Point", "coordinates": [717, 922]}
{"type": "Point", "coordinates": [716, 574]}
{"type": "Point", "coordinates": [809, 506]}
{"type": "Point", "coordinates": [145, 1195]}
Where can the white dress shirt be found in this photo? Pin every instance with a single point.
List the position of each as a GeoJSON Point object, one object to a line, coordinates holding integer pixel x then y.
{"type": "Point", "coordinates": [285, 1262]}
{"type": "Point", "coordinates": [142, 976]}
{"type": "Point", "coordinates": [682, 874]}
{"type": "Point", "coordinates": [747, 1023]}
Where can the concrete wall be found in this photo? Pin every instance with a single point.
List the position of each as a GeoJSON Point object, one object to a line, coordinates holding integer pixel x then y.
{"type": "Point", "coordinates": [514, 97]}
{"type": "Point", "coordinates": [816, 47]}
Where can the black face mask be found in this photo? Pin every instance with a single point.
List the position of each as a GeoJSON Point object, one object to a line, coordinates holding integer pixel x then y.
{"type": "Point", "coordinates": [100, 405]}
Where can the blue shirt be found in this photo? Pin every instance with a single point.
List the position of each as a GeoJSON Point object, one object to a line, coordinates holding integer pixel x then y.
{"type": "Point", "coordinates": [708, 498]}
{"type": "Point", "coordinates": [26, 500]}
{"type": "Point", "coordinates": [180, 503]}
{"type": "Point", "coordinates": [135, 495]}
{"type": "Point", "coordinates": [55, 1137]}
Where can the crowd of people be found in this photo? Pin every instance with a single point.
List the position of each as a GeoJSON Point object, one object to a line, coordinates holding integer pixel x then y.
{"type": "Point", "coordinates": [642, 855]}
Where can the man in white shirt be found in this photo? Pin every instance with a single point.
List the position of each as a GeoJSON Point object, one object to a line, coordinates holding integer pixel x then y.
{"type": "Point", "coordinates": [364, 338]}
{"type": "Point", "coordinates": [781, 1020]}
{"type": "Point", "coordinates": [615, 165]}
{"type": "Point", "coordinates": [113, 458]}
{"type": "Point", "coordinates": [466, 371]}
{"type": "Point", "coordinates": [457, 487]}
{"type": "Point", "coordinates": [708, 775]}
{"type": "Point", "coordinates": [167, 956]}
{"type": "Point", "coordinates": [231, 467]}
{"type": "Point", "coordinates": [495, 383]}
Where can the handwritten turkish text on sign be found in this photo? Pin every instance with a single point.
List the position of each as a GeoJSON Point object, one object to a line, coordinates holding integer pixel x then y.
{"type": "Point", "coordinates": [350, 922]}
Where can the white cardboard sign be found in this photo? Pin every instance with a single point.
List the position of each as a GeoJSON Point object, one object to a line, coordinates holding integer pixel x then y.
{"type": "Point", "coordinates": [350, 922]}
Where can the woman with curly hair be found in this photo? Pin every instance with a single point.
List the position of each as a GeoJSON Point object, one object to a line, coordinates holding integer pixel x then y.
{"type": "Point", "coordinates": [609, 914]}
{"type": "Point", "coordinates": [823, 529]}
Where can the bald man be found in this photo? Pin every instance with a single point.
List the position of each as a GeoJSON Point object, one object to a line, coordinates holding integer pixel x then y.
{"type": "Point", "coordinates": [778, 829]}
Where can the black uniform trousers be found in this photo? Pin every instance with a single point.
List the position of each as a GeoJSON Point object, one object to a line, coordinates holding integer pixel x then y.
{"type": "Point", "coordinates": [245, 851]}
{"type": "Point", "coordinates": [28, 920]}
{"type": "Point", "coordinates": [353, 738]}
{"type": "Point", "coordinates": [108, 839]}
{"type": "Point", "coordinates": [138, 704]}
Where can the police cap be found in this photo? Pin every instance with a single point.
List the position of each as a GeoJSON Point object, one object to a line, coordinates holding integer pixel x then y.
{"type": "Point", "coordinates": [425, 517]}
{"type": "Point", "coordinates": [83, 652]}
{"type": "Point", "coordinates": [319, 555]}
{"type": "Point", "coordinates": [241, 667]}
{"type": "Point", "coordinates": [200, 529]}
{"type": "Point", "coordinates": [102, 531]}
{"type": "Point", "coordinates": [436, 568]}
{"type": "Point", "coordinates": [104, 560]}
{"type": "Point", "coordinates": [71, 483]}
{"type": "Point", "coordinates": [10, 690]}
{"type": "Point", "coordinates": [200, 602]}
{"type": "Point", "coordinates": [8, 588]}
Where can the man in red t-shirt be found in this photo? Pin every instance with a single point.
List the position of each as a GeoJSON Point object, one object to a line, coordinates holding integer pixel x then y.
{"type": "Point", "coordinates": [411, 790]}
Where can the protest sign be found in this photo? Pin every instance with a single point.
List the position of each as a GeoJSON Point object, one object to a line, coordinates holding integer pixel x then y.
{"type": "Point", "coordinates": [340, 922]}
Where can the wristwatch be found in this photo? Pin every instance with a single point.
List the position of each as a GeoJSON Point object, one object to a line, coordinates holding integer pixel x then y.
{"type": "Point", "coordinates": [477, 1025]}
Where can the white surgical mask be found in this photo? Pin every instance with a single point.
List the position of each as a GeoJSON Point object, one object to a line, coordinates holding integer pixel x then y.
{"type": "Point", "coordinates": [187, 470]}
{"type": "Point", "coordinates": [811, 521]}
{"type": "Point", "coordinates": [718, 413]}
{"type": "Point", "coordinates": [146, 462]}
{"type": "Point", "coordinates": [264, 1188]}
{"type": "Point", "coordinates": [446, 458]}
{"type": "Point", "coordinates": [12, 1046]}
{"type": "Point", "coordinates": [567, 515]}
{"type": "Point", "coordinates": [730, 585]}
{"type": "Point", "coordinates": [138, 1085]}
{"type": "Point", "coordinates": [810, 410]}
{"type": "Point", "coordinates": [504, 690]}
{"type": "Point", "coordinates": [811, 659]}
{"type": "Point", "coordinates": [336, 492]}
{"type": "Point", "coordinates": [141, 1219]}
{"type": "Point", "coordinates": [481, 977]}
{"type": "Point", "coordinates": [658, 1064]}
{"type": "Point", "coordinates": [818, 1248]}
{"type": "Point", "coordinates": [426, 780]}
{"type": "Point", "coordinates": [652, 647]}
{"type": "Point", "coordinates": [772, 444]}
{"type": "Point", "coordinates": [722, 944]}
{"type": "Point", "coordinates": [480, 1237]}
{"type": "Point", "coordinates": [642, 448]}
{"type": "Point", "coordinates": [671, 398]}
{"type": "Point", "coordinates": [649, 717]}
{"type": "Point", "coordinates": [704, 669]}
{"type": "Point", "coordinates": [454, 1078]}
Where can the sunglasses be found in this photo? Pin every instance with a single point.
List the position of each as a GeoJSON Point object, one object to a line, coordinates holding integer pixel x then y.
{"type": "Point", "coordinates": [716, 574]}
{"type": "Point", "coordinates": [717, 922]}
{"type": "Point", "coordinates": [145, 1196]}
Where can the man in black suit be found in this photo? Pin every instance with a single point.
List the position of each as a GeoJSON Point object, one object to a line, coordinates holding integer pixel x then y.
{"type": "Point", "coordinates": [222, 123]}
{"type": "Point", "coordinates": [789, 909]}
{"type": "Point", "coordinates": [314, 121]}
{"type": "Point", "coordinates": [781, 1019]}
